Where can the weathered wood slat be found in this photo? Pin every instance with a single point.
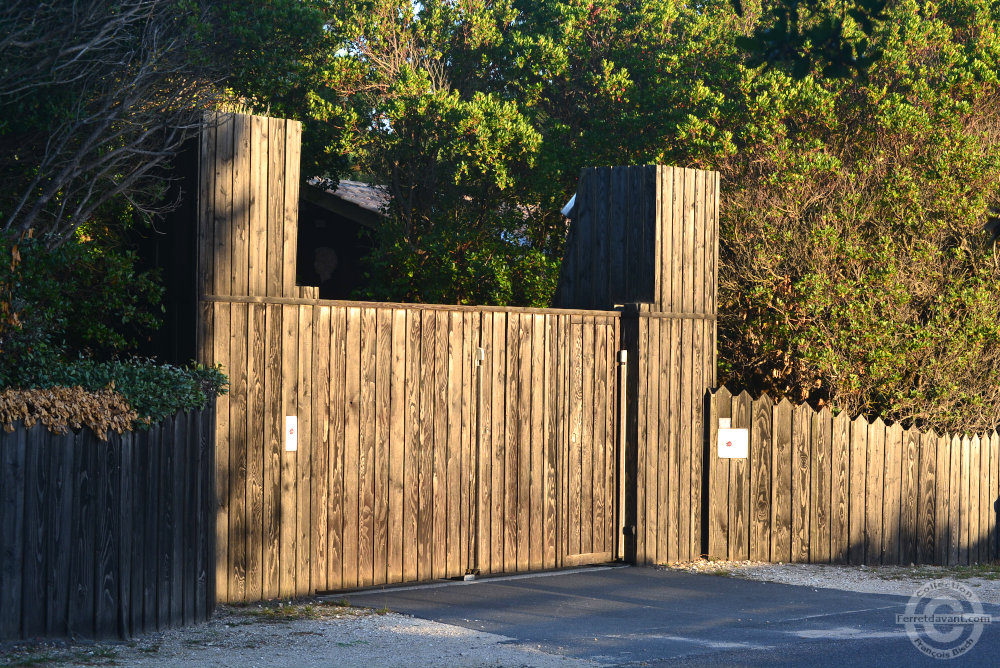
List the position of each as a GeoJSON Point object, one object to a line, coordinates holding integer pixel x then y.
{"type": "Point", "coordinates": [238, 453]}
{"type": "Point", "coordinates": [383, 445]}
{"type": "Point", "coordinates": [319, 441]}
{"type": "Point", "coordinates": [352, 400]}
{"type": "Point", "coordinates": [840, 461]}
{"type": "Point", "coordinates": [909, 497]}
{"type": "Point", "coordinates": [761, 480]}
{"type": "Point", "coordinates": [366, 454]}
{"type": "Point", "coordinates": [801, 483]}
{"type": "Point", "coordinates": [396, 483]}
{"type": "Point", "coordinates": [781, 471]}
{"type": "Point", "coordinates": [339, 365]}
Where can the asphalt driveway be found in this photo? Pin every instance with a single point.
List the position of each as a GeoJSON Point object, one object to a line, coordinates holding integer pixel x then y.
{"type": "Point", "coordinates": [624, 616]}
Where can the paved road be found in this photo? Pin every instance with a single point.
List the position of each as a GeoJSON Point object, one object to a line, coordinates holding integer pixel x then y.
{"type": "Point", "coordinates": [626, 616]}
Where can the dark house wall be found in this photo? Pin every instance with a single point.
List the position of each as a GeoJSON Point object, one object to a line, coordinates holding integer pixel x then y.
{"type": "Point", "coordinates": [331, 251]}
{"type": "Point", "coordinates": [170, 246]}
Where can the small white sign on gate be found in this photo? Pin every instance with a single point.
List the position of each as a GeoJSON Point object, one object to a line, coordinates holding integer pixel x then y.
{"type": "Point", "coordinates": [291, 433]}
{"type": "Point", "coordinates": [733, 443]}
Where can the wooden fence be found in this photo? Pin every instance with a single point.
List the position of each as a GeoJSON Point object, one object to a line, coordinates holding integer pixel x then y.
{"type": "Point", "coordinates": [415, 460]}
{"type": "Point", "coordinates": [817, 488]}
{"type": "Point", "coordinates": [106, 538]}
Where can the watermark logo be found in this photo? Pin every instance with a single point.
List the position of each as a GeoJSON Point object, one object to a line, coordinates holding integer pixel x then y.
{"type": "Point", "coordinates": [944, 619]}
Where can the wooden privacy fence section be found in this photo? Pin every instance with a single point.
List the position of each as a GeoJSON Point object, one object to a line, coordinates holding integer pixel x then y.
{"type": "Point", "coordinates": [107, 538]}
{"type": "Point", "coordinates": [817, 488]}
{"type": "Point", "coordinates": [416, 459]}
{"type": "Point", "coordinates": [248, 206]}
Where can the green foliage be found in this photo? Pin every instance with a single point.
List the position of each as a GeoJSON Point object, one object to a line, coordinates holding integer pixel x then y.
{"type": "Point", "coordinates": [84, 297]}
{"type": "Point", "coordinates": [857, 142]}
{"type": "Point", "coordinates": [153, 390]}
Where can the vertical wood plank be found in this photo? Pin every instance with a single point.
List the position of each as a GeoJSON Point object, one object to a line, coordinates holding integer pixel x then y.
{"type": "Point", "coordinates": [975, 478]}
{"type": "Point", "coordinates": [221, 324]}
{"type": "Point", "coordinates": [287, 559]}
{"type": "Point", "coordinates": [954, 496]}
{"type": "Point", "coordinates": [223, 203]}
{"type": "Point", "coordinates": [840, 459]}
{"type": "Point", "coordinates": [274, 445]}
{"type": "Point", "coordinates": [942, 495]}
{"type": "Point", "coordinates": [384, 366]}
{"type": "Point", "coordinates": [453, 479]}
{"type": "Point", "coordinates": [425, 477]}
{"type": "Point", "coordinates": [740, 491]}
{"type": "Point", "coordinates": [874, 492]}
{"type": "Point", "coordinates": [411, 444]}
{"type": "Point", "coordinates": [366, 455]}
{"type": "Point", "coordinates": [927, 499]}
{"type": "Point", "coordinates": [656, 445]}
{"type": "Point", "coordinates": [909, 497]}
{"type": "Point", "coordinates": [801, 483]}
{"type": "Point", "coordinates": [890, 508]}
{"type": "Point", "coordinates": [859, 471]}
{"type": "Point", "coordinates": [339, 407]}
{"type": "Point", "coordinates": [398, 407]}
{"type": "Point", "coordinates": [293, 150]}
{"type": "Point", "coordinates": [239, 232]}
{"type": "Point", "coordinates": [275, 206]}
{"type": "Point", "coordinates": [441, 441]}
{"type": "Point", "coordinates": [964, 505]}
{"type": "Point", "coordinates": [761, 490]}
{"type": "Point", "coordinates": [319, 515]}
{"type": "Point", "coordinates": [206, 203]}
{"type": "Point", "coordinates": [537, 471]}
{"type": "Point", "coordinates": [574, 470]}
{"type": "Point", "coordinates": [257, 443]}
{"type": "Point", "coordinates": [524, 441]}
{"type": "Point", "coordinates": [257, 257]}
{"type": "Point", "coordinates": [352, 449]}
{"type": "Point", "coordinates": [304, 473]}
{"type": "Point", "coordinates": [781, 471]}
{"type": "Point", "coordinates": [819, 521]}
{"type": "Point", "coordinates": [498, 420]}
{"type": "Point", "coordinates": [238, 452]}
{"type": "Point", "coordinates": [993, 507]}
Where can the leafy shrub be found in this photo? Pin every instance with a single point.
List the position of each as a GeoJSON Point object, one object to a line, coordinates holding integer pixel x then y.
{"type": "Point", "coordinates": [82, 298]}
{"type": "Point", "coordinates": [153, 390]}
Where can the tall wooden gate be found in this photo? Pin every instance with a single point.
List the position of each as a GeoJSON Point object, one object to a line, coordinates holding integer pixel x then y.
{"type": "Point", "coordinates": [432, 442]}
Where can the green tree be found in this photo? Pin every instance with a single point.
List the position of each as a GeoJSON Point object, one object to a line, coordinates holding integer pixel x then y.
{"type": "Point", "coordinates": [859, 163]}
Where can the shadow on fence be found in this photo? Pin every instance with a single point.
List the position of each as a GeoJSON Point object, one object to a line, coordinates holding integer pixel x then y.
{"type": "Point", "coordinates": [111, 538]}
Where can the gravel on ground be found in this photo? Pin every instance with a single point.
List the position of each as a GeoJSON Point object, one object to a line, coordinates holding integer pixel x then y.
{"type": "Point", "coordinates": [302, 635]}
{"type": "Point", "coordinates": [983, 579]}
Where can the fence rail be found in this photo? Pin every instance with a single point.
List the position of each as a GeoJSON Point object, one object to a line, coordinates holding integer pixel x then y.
{"type": "Point", "coordinates": [106, 538]}
{"type": "Point", "coordinates": [818, 488]}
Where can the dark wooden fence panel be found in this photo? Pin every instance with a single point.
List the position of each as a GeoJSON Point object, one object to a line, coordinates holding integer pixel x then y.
{"type": "Point", "coordinates": [107, 538]}
{"type": "Point", "coordinates": [642, 234]}
{"type": "Point", "coordinates": [848, 491]}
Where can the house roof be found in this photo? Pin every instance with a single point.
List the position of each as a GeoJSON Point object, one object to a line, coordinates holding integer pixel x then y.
{"type": "Point", "coordinates": [356, 200]}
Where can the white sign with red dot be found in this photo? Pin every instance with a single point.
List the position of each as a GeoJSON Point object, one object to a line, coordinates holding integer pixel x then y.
{"type": "Point", "coordinates": [732, 442]}
{"type": "Point", "coordinates": [291, 433]}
